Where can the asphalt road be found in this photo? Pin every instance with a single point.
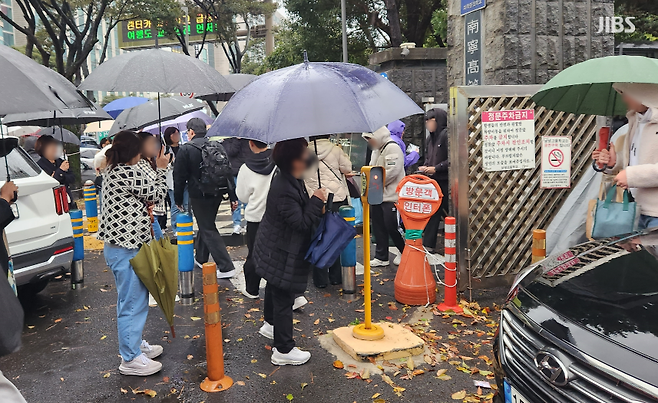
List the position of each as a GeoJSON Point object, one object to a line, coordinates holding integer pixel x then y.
{"type": "Point", "coordinates": [70, 351]}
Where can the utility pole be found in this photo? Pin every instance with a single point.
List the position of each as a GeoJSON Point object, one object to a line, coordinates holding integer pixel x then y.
{"type": "Point", "coordinates": [186, 29]}
{"type": "Point", "coordinates": [269, 33]}
{"type": "Point", "coordinates": [343, 11]}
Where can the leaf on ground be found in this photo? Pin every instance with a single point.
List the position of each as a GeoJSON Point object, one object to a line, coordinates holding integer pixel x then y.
{"type": "Point", "coordinates": [317, 322]}
{"type": "Point", "coordinates": [190, 356]}
{"type": "Point", "coordinates": [124, 391]}
{"type": "Point", "coordinates": [262, 375]}
{"type": "Point", "coordinates": [103, 337]}
{"type": "Point", "coordinates": [398, 390]}
{"type": "Point", "coordinates": [485, 373]}
{"type": "Point", "coordinates": [195, 318]}
{"type": "Point", "coordinates": [295, 321]}
{"type": "Point", "coordinates": [459, 395]}
{"type": "Point", "coordinates": [58, 320]}
{"type": "Point", "coordinates": [304, 384]}
{"type": "Point", "coordinates": [107, 375]}
{"type": "Point", "coordinates": [150, 392]}
{"type": "Point", "coordinates": [241, 383]}
{"type": "Point", "coordinates": [289, 397]}
{"type": "Point", "coordinates": [331, 320]}
{"type": "Point", "coordinates": [410, 363]}
{"type": "Point", "coordinates": [254, 361]}
{"type": "Point", "coordinates": [339, 364]}
{"type": "Point", "coordinates": [376, 395]}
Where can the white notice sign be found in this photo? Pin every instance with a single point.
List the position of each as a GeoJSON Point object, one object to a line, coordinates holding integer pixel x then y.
{"type": "Point", "coordinates": [555, 162]}
{"type": "Point", "coordinates": [508, 140]}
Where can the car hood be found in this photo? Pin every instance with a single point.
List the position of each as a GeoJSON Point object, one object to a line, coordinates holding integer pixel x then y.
{"type": "Point", "coordinates": [607, 290]}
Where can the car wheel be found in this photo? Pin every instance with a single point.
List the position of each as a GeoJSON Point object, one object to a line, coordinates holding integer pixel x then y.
{"type": "Point", "coordinates": [33, 288]}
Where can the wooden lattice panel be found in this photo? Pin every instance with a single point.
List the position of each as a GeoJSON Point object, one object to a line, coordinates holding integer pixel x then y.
{"type": "Point", "coordinates": [504, 207]}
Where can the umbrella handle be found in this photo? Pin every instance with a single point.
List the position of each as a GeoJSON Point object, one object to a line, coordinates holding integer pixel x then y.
{"type": "Point", "coordinates": [315, 143]}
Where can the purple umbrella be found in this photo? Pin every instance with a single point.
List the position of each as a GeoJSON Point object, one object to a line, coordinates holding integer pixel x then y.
{"type": "Point", "coordinates": [180, 122]}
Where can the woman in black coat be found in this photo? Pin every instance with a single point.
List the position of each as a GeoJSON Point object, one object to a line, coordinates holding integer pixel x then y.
{"type": "Point", "coordinates": [53, 165]}
{"type": "Point", "coordinates": [283, 238]}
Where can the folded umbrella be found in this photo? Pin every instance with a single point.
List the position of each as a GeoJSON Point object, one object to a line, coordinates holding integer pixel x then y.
{"type": "Point", "coordinates": [586, 88]}
{"type": "Point", "coordinates": [311, 99]}
{"type": "Point", "coordinates": [146, 114]}
{"type": "Point", "coordinates": [29, 86]}
{"type": "Point", "coordinates": [74, 116]}
{"type": "Point", "coordinates": [117, 106]}
{"type": "Point", "coordinates": [330, 239]}
{"type": "Point", "coordinates": [156, 265]}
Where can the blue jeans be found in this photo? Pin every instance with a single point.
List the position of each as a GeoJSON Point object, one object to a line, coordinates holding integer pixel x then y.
{"type": "Point", "coordinates": [237, 214]}
{"type": "Point", "coordinates": [132, 301]}
{"type": "Point", "coordinates": [157, 230]}
{"type": "Point", "coordinates": [174, 208]}
{"type": "Point", "coordinates": [646, 221]}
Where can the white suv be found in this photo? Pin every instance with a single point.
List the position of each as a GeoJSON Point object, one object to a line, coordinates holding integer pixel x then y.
{"type": "Point", "coordinates": [41, 237]}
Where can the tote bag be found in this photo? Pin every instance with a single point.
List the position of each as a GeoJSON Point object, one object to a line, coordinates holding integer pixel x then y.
{"type": "Point", "coordinates": [612, 218]}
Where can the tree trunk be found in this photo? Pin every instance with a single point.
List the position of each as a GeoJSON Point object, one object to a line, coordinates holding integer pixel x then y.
{"type": "Point", "coordinates": [394, 23]}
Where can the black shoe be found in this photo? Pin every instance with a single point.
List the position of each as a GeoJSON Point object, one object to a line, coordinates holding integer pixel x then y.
{"type": "Point", "coordinates": [320, 285]}
{"type": "Point", "coordinates": [336, 282]}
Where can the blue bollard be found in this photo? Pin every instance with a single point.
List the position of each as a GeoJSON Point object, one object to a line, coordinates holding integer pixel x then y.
{"type": "Point", "coordinates": [77, 266]}
{"type": "Point", "coordinates": [91, 206]}
{"type": "Point", "coordinates": [348, 256]}
{"type": "Point", "coordinates": [185, 230]}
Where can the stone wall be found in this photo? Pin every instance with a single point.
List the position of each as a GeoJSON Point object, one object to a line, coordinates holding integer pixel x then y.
{"type": "Point", "coordinates": [422, 73]}
{"type": "Point", "coordinates": [529, 41]}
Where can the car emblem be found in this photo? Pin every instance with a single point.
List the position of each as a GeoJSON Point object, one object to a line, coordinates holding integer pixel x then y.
{"type": "Point", "coordinates": [551, 368]}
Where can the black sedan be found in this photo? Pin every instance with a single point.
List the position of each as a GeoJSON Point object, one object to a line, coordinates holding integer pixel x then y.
{"type": "Point", "coordinates": [582, 327]}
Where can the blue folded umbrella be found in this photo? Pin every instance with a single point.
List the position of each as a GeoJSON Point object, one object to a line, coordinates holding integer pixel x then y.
{"type": "Point", "coordinates": [331, 237]}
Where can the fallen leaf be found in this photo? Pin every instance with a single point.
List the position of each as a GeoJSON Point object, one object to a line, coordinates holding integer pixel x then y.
{"type": "Point", "coordinates": [398, 390]}
{"type": "Point", "coordinates": [195, 318]}
{"type": "Point", "coordinates": [338, 364]}
{"type": "Point", "coordinates": [165, 379]}
{"type": "Point", "coordinates": [376, 395]}
{"type": "Point", "coordinates": [30, 327]}
{"type": "Point", "coordinates": [150, 392]}
{"type": "Point", "coordinates": [262, 375]}
{"type": "Point", "coordinates": [190, 356]}
{"type": "Point", "coordinates": [304, 384]}
{"type": "Point", "coordinates": [317, 322]}
{"type": "Point", "coordinates": [58, 320]}
{"type": "Point", "coordinates": [410, 363]}
{"type": "Point", "coordinates": [241, 383]}
{"type": "Point", "coordinates": [124, 391]}
{"type": "Point", "coordinates": [295, 321]}
{"type": "Point", "coordinates": [459, 395]}
{"type": "Point", "coordinates": [254, 361]}
{"type": "Point", "coordinates": [331, 320]}
{"type": "Point", "coordinates": [107, 375]}
{"type": "Point", "coordinates": [289, 397]}
{"type": "Point", "coordinates": [103, 337]}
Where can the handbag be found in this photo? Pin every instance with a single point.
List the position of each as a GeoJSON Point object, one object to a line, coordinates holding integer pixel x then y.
{"type": "Point", "coordinates": [613, 218]}
{"type": "Point", "coordinates": [332, 236]}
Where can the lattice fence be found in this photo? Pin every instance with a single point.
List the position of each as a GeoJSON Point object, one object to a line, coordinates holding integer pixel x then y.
{"type": "Point", "coordinates": [504, 207]}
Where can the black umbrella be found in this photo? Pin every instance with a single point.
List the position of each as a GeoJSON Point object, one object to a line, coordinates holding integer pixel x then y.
{"type": "Point", "coordinates": [65, 136]}
{"type": "Point", "coordinates": [140, 116]}
{"type": "Point", "coordinates": [156, 70]}
{"type": "Point", "coordinates": [29, 86]}
{"type": "Point", "coordinates": [52, 118]}
{"type": "Point", "coordinates": [237, 81]}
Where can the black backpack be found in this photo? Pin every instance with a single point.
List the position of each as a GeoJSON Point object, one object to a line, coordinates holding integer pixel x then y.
{"type": "Point", "coordinates": [215, 168]}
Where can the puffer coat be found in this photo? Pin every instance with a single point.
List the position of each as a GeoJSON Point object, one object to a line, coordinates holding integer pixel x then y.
{"type": "Point", "coordinates": [285, 233]}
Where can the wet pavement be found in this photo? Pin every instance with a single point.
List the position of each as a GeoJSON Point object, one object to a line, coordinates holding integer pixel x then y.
{"type": "Point", "coordinates": [70, 351]}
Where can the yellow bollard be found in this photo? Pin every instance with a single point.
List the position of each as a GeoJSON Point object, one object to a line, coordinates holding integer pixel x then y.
{"type": "Point", "coordinates": [538, 245]}
{"type": "Point", "coordinates": [216, 380]}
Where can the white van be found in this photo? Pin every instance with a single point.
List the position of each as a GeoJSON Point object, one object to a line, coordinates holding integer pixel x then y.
{"type": "Point", "coordinates": [41, 237]}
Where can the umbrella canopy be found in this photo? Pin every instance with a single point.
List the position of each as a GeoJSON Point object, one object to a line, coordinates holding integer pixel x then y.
{"type": "Point", "coordinates": [29, 86]}
{"type": "Point", "coordinates": [586, 88]}
{"type": "Point", "coordinates": [147, 114]}
{"type": "Point", "coordinates": [60, 134]}
{"type": "Point", "coordinates": [156, 70]}
{"type": "Point", "coordinates": [117, 106]}
{"type": "Point", "coordinates": [156, 264]}
{"type": "Point", "coordinates": [237, 81]}
{"type": "Point", "coordinates": [179, 123]}
{"type": "Point", "coordinates": [52, 118]}
{"type": "Point", "coordinates": [311, 99]}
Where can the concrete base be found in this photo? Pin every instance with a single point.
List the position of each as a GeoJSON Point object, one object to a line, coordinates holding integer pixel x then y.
{"type": "Point", "coordinates": [398, 342]}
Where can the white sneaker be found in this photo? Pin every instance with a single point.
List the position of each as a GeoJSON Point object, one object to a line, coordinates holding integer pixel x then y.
{"type": "Point", "coordinates": [294, 357]}
{"type": "Point", "coordinates": [378, 263]}
{"type": "Point", "coordinates": [151, 351]}
{"type": "Point", "coordinates": [226, 274]}
{"type": "Point", "coordinates": [237, 229]}
{"type": "Point", "coordinates": [246, 294]}
{"type": "Point", "coordinates": [299, 302]}
{"type": "Point", "coordinates": [397, 260]}
{"type": "Point", "coordinates": [267, 330]}
{"type": "Point", "coordinates": [139, 366]}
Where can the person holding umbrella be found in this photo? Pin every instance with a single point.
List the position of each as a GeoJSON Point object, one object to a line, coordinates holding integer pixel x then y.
{"type": "Point", "coordinates": [283, 238]}
{"type": "Point", "coordinates": [49, 150]}
{"type": "Point", "coordinates": [149, 151]}
{"type": "Point", "coordinates": [124, 227]}
{"type": "Point", "coordinates": [635, 164]}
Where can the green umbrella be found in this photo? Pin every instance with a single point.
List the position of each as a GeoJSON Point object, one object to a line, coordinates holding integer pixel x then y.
{"type": "Point", "coordinates": [156, 264]}
{"type": "Point", "coordinates": [586, 88]}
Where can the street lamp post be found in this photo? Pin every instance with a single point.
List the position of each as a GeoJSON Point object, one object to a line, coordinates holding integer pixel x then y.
{"type": "Point", "coordinates": [343, 10]}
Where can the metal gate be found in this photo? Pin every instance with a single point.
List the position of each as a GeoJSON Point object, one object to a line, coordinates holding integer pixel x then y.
{"type": "Point", "coordinates": [497, 211]}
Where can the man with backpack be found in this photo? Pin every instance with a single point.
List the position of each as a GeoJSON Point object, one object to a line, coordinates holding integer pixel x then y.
{"type": "Point", "coordinates": [203, 166]}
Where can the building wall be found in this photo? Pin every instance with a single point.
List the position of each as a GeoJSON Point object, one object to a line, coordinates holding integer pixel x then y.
{"type": "Point", "coordinates": [530, 41]}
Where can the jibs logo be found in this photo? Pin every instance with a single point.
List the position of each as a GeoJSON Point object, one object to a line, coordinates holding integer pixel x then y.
{"type": "Point", "coordinates": [616, 25]}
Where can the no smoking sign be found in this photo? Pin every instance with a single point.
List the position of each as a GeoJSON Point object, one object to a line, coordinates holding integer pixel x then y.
{"type": "Point", "coordinates": [556, 162]}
